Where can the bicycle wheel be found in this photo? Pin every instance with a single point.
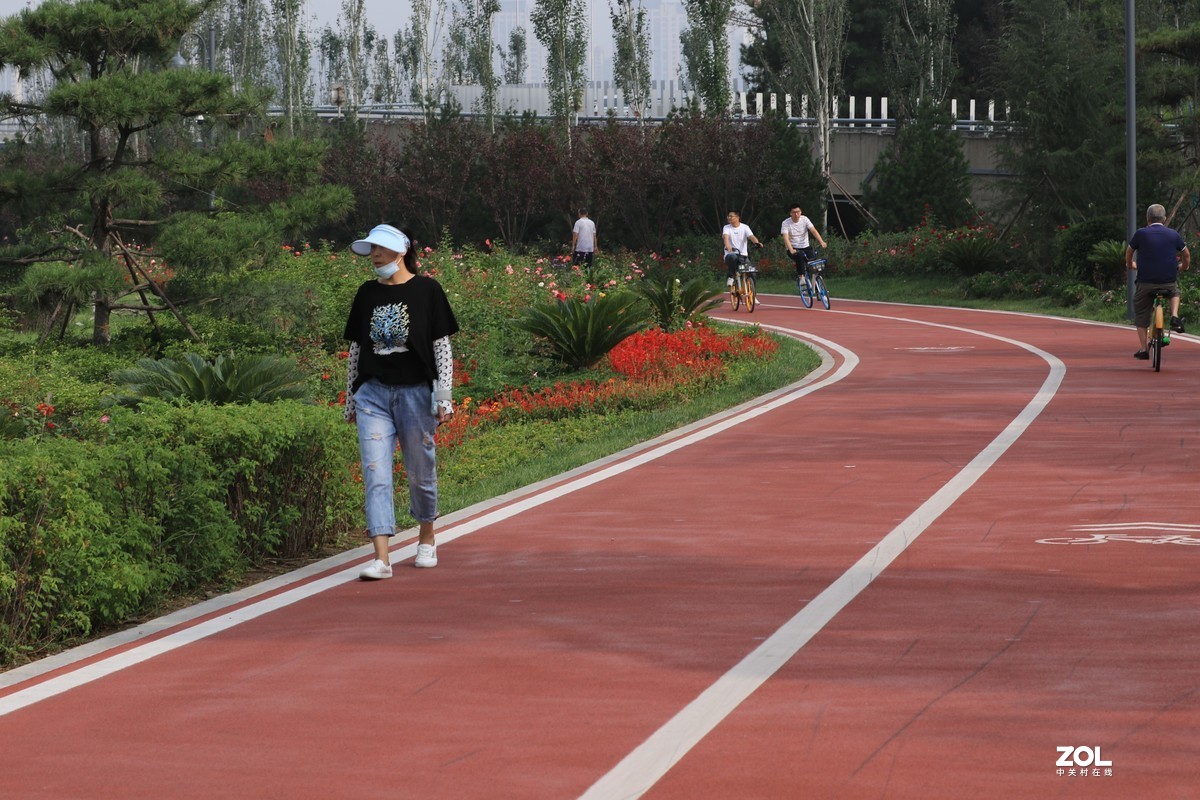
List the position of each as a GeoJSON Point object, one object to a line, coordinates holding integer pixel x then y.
{"type": "Point", "coordinates": [820, 287]}
{"type": "Point", "coordinates": [805, 289]}
{"type": "Point", "coordinates": [751, 293]}
{"type": "Point", "coordinates": [735, 297]}
{"type": "Point", "coordinates": [1156, 339]}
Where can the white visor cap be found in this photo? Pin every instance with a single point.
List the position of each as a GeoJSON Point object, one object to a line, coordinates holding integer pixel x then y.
{"type": "Point", "coordinates": [384, 236]}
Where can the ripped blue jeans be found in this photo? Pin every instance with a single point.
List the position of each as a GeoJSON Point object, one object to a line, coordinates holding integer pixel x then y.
{"type": "Point", "coordinates": [387, 415]}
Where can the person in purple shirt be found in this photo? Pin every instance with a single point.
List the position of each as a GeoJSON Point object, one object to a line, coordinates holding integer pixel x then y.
{"type": "Point", "coordinates": [1161, 254]}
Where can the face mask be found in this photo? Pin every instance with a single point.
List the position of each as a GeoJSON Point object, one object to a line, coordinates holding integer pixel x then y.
{"type": "Point", "coordinates": [387, 270]}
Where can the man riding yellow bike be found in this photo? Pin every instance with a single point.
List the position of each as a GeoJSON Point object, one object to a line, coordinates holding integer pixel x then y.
{"type": "Point", "coordinates": [1161, 254]}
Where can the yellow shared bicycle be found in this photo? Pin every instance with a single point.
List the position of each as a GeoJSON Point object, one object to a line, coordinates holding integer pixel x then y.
{"type": "Point", "coordinates": [745, 285]}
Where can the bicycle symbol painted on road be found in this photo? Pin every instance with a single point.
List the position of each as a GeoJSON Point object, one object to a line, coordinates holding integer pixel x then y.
{"type": "Point", "coordinates": [1135, 532]}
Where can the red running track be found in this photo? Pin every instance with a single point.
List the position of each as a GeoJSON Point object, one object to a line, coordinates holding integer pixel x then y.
{"type": "Point", "coordinates": [966, 544]}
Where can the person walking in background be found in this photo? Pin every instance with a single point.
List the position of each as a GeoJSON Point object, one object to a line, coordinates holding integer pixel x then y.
{"type": "Point", "coordinates": [398, 388]}
{"type": "Point", "coordinates": [734, 237]}
{"type": "Point", "coordinates": [795, 231]}
{"type": "Point", "coordinates": [1161, 254]}
{"type": "Point", "coordinates": [583, 240]}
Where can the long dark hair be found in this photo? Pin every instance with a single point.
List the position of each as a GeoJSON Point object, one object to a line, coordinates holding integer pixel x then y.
{"type": "Point", "coordinates": [410, 255]}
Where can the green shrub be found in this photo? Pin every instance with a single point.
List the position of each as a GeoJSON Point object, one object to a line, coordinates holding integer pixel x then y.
{"type": "Point", "coordinates": [1073, 247]}
{"type": "Point", "coordinates": [971, 255]}
{"type": "Point", "coordinates": [1021, 285]}
{"type": "Point", "coordinates": [1069, 294]}
{"type": "Point", "coordinates": [692, 247]}
{"type": "Point", "coordinates": [913, 252]}
{"type": "Point", "coordinates": [285, 471]}
{"type": "Point", "coordinates": [164, 498]}
{"type": "Point", "coordinates": [1005, 285]}
{"type": "Point", "coordinates": [1108, 264]}
{"type": "Point", "coordinates": [71, 555]}
{"type": "Point", "coordinates": [581, 331]}
{"type": "Point", "coordinates": [232, 379]}
{"type": "Point", "coordinates": [673, 303]}
{"type": "Point", "coordinates": [50, 379]}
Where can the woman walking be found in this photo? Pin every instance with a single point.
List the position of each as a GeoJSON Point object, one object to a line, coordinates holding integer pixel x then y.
{"type": "Point", "coordinates": [398, 388]}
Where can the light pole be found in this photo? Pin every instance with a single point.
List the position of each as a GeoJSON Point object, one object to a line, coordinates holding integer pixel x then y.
{"type": "Point", "coordinates": [1130, 147]}
{"type": "Point", "coordinates": [208, 50]}
{"type": "Point", "coordinates": [208, 62]}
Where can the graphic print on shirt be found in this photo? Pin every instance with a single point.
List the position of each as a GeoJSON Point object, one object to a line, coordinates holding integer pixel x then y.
{"type": "Point", "coordinates": [389, 329]}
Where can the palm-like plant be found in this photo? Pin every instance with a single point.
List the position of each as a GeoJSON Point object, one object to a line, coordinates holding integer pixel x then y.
{"type": "Point", "coordinates": [226, 380]}
{"type": "Point", "coordinates": [972, 255]}
{"type": "Point", "coordinates": [1108, 263]}
{"type": "Point", "coordinates": [673, 303]}
{"type": "Point", "coordinates": [582, 331]}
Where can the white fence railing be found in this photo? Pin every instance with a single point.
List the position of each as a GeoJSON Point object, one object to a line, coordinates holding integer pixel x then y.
{"type": "Point", "coordinates": [602, 99]}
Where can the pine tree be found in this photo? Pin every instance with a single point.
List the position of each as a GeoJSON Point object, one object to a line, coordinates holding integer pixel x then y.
{"type": "Point", "coordinates": [109, 77]}
{"type": "Point", "coordinates": [923, 175]}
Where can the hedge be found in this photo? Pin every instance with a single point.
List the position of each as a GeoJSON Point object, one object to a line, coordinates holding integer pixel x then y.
{"type": "Point", "coordinates": [94, 531]}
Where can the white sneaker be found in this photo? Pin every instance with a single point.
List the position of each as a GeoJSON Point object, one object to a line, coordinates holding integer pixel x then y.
{"type": "Point", "coordinates": [426, 556]}
{"type": "Point", "coordinates": [375, 571]}
{"type": "Point", "coordinates": [729, 281]}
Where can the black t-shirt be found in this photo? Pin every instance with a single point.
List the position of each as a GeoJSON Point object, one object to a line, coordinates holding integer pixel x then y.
{"type": "Point", "coordinates": [395, 326]}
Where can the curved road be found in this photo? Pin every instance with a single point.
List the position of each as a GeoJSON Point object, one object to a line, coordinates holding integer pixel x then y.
{"type": "Point", "coordinates": [958, 561]}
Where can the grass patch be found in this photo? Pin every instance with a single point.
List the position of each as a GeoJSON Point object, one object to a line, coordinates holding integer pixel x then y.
{"type": "Point", "coordinates": [518, 454]}
{"type": "Point", "coordinates": [933, 290]}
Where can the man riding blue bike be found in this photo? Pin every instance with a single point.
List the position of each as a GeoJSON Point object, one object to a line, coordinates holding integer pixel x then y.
{"type": "Point", "coordinates": [795, 230]}
{"type": "Point", "coordinates": [1161, 254]}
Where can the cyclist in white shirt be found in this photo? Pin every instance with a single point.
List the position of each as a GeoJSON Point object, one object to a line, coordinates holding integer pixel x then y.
{"type": "Point", "coordinates": [795, 230]}
{"type": "Point", "coordinates": [735, 235]}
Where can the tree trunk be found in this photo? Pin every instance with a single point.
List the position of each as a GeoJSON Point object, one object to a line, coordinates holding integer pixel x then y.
{"type": "Point", "coordinates": [100, 328]}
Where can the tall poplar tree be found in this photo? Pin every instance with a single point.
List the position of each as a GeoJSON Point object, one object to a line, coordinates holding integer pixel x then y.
{"type": "Point", "coordinates": [631, 54]}
{"type": "Point", "coordinates": [415, 50]}
{"type": "Point", "coordinates": [352, 24]}
{"type": "Point", "coordinates": [514, 58]}
{"type": "Point", "coordinates": [471, 50]}
{"type": "Point", "coordinates": [810, 38]}
{"type": "Point", "coordinates": [559, 25]}
{"type": "Point", "coordinates": [705, 48]}
{"type": "Point", "coordinates": [1061, 68]}
{"type": "Point", "coordinates": [921, 51]}
{"type": "Point", "coordinates": [292, 54]}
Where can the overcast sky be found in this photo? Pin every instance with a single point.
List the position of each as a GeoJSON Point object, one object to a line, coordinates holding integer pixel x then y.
{"type": "Point", "coordinates": [388, 16]}
{"type": "Point", "coordinates": [8, 7]}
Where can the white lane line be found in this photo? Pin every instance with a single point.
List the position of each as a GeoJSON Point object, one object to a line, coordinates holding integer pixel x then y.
{"type": "Point", "coordinates": [1138, 526]}
{"type": "Point", "coordinates": [646, 764]}
{"type": "Point", "coordinates": [143, 652]}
